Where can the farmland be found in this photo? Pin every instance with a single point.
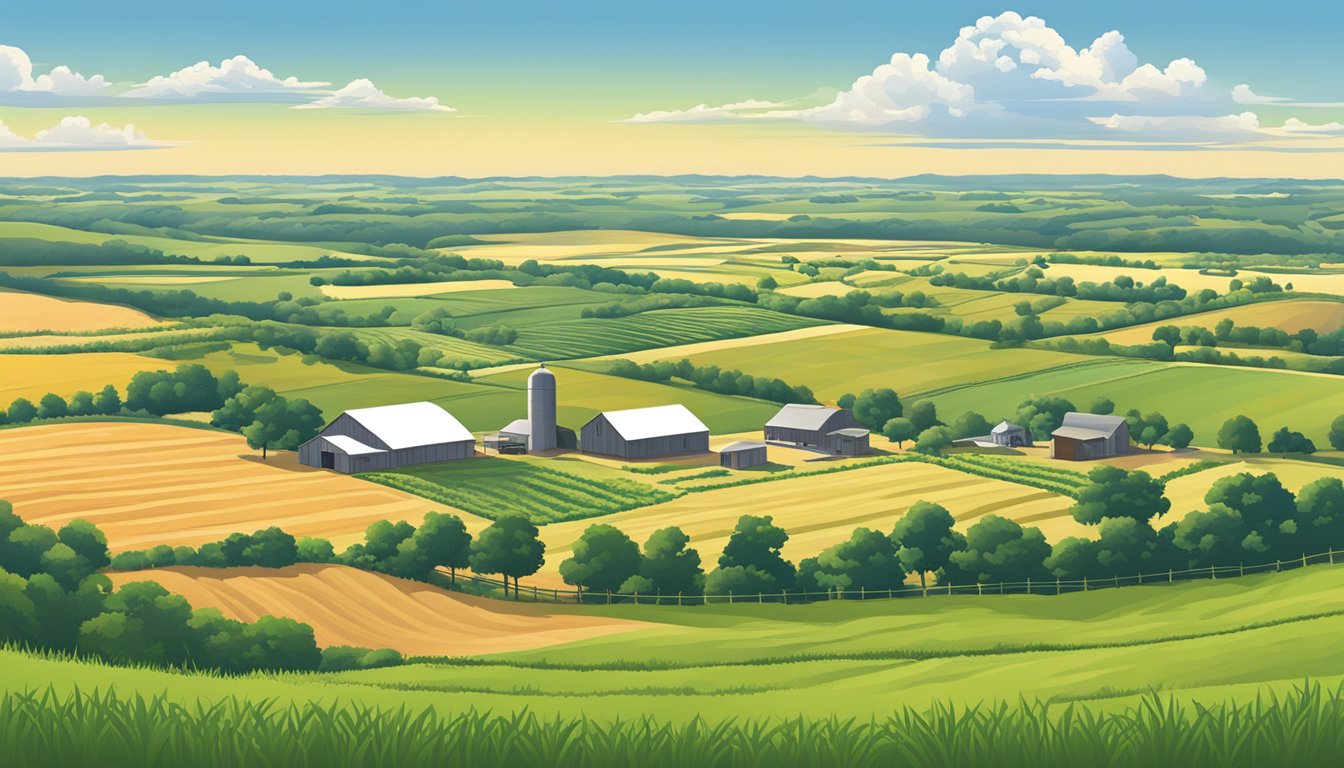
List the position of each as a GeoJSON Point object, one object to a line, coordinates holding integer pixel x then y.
{"type": "Point", "coordinates": [27, 313]}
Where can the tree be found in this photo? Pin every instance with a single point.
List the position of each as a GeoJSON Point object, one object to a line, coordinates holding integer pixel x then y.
{"type": "Point", "coordinates": [933, 441]}
{"type": "Point", "coordinates": [21, 411]}
{"type": "Point", "coordinates": [1286, 441]}
{"type": "Point", "coordinates": [107, 402]}
{"type": "Point", "coordinates": [867, 560]}
{"type": "Point", "coordinates": [924, 415]}
{"type": "Point", "coordinates": [741, 580]}
{"type": "Point", "coordinates": [1337, 433]}
{"type": "Point", "coordinates": [1102, 406]}
{"type": "Point", "coordinates": [999, 550]}
{"type": "Point", "coordinates": [51, 406]}
{"type": "Point", "coordinates": [270, 548]}
{"type": "Point", "coordinates": [1072, 559]}
{"type": "Point", "coordinates": [899, 430]}
{"type": "Point", "coordinates": [1168, 334]}
{"type": "Point", "coordinates": [669, 565]}
{"type": "Point", "coordinates": [268, 420]}
{"type": "Point", "coordinates": [313, 549]}
{"type": "Point", "coordinates": [1267, 509]}
{"type": "Point", "coordinates": [18, 615]}
{"type": "Point", "coordinates": [970, 424]}
{"type": "Point", "coordinates": [382, 538]}
{"type": "Point", "coordinates": [1320, 512]}
{"type": "Point", "coordinates": [1239, 435]}
{"type": "Point", "coordinates": [443, 540]}
{"type": "Point", "coordinates": [1042, 415]}
{"type": "Point", "coordinates": [1215, 536]}
{"type": "Point", "coordinates": [87, 540]}
{"type": "Point", "coordinates": [925, 540]}
{"type": "Point", "coordinates": [873, 408]}
{"type": "Point", "coordinates": [756, 543]}
{"type": "Point", "coordinates": [1114, 493]}
{"type": "Point", "coordinates": [604, 558]}
{"type": "Point", "coordinates": [509, 547]}
{"type": "Point", "coordinates": [767, 283]}
{"type": "Point", "coordinates": [1127, 546]}
{"type": "Point", "coordinates": [1179, 436]}
{"type": "Point", "coordinates": [81, 404]}
{"type": "Point", "coordinates": [1147, 429]}
{"type": "Point", "coordinates": [21, 552]}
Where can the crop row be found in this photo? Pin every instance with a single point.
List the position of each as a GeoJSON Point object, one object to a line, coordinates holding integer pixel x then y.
{"type": "Point", "coordinates": [649, 330]}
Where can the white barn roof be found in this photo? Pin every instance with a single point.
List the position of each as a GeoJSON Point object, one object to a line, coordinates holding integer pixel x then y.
{"type": "Point", "coordinates": [659, 421]}
{"type": "Point", "coordinates": [411, 425]}
{"type": "Point", "coordinates": [741, 445]}
{"type": "Point", "coordinates": [350, 446]}
{"type": "Point", "coordinates": [801, 416]}
{"type": "Point", "coordinates": [1006, 426]}
{"type": "Point", "coordinates": [1100, 426]}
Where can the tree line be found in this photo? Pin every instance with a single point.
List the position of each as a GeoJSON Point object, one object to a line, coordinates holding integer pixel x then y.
{"type": "Point", "coordinates": [714, 379]}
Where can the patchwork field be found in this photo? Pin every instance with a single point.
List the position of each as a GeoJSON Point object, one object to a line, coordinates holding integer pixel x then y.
{"type": "Point", "coordinates": [34, 375]}
{"type": "Point", "coordinates": [398, 290]}
{"type": "Point", "coordinates": [345, 606]}
{"type": "Point", "coordinates": [148, 484]}
{"type": "Point", "coordinates": [30, 312]}
{"type": "Point", "coordinates": [1291, 316]}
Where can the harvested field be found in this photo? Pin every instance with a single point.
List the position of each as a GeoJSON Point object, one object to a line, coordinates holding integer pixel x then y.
{"type": "Point", "coordinates": [1291, 316]}
{"type": "Point", "coordinates": [687, 350]}
{"type": "Point", "coordinates": [148, 484]}
{"type": "Point", "coordinates": [29, 312]}
{"type": "Point", "coordinates": [346, 606]}
{"type": "Point", "coordinates": [402, 290]}
{"type": "Point", "coordinates": [34, 375]}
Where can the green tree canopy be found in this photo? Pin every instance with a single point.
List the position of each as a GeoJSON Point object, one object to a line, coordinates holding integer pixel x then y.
{"type": "Point", "coordinates": [999, 550]}
{"type": "Point", "coordinates": [1042, 415]}
{"type": "Point", "coordinates": [669, 565]}
{"type": "Point", "coordinates": [604, 557]}
{"type": "Point", "coordinates": [1287, 441]}
{"type": "Point", "coordinates": [1114, 493]}
{"type": "Point", "coordinates": [925, 539]}
{"type": "Point", "coordinates": [510, 547]}
{"type": "Point", "coordinates": [1239, 435]}
{"type": "Point", "coordinates": [756, 542]}
{"type": "Point", "coordinates": [873, 408]}
{"type": "Point", "coordinates": [970, 424]}
{"type": "Point", "coordinates": [898, 430]}
{"type": "Point", "coordinates": [934, 441]}
{"type": "Point", "coordinates": [924, 415]}
{"type": "Point", "coordinates": [867, 560]}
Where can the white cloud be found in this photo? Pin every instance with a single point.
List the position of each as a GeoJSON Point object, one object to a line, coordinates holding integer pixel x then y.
{"type": "Point", "coordinates": [16, 76]}
{"type": "Point", "coordinates": [76, 133]}
{"type": "Point", "coordinates": [363, 94]}
{"type": "Point", "coordinates": [1245, 125]}
{"type": "Point", "coordinates": [235, 79]}
{"type": "Point", "coordinates": [704, 113]}
{"type": "Point", "coordinates": [904, 90]}
{"type": "Point", "coordinates": [1294, 125]}
{"type": "Point", "coordinates": [1242, 94]}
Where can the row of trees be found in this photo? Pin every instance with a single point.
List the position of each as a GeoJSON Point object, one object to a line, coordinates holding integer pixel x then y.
{"type": "Point", "coordinates": [1240, 434]}
{"type": "Point", "coordinates": [1122, 288]}
{"type": "Point", "coordinates": [714, 379]}
{"type": "Point", "coordinates": [1227, 332]}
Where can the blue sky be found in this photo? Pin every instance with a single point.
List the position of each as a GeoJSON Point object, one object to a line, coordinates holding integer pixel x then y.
{"type": "Point", "coordinates": [720, 70]}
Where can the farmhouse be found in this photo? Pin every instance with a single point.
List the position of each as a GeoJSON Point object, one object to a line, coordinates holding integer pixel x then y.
{"type": "Point", "coordinates": [809, 426]}
{"type": "Point", "coordinates": [386, 437]}
{"type": "Point", "coordinates": [1086, 436]}
{"type": "Point", "coordinates": [741, 455]}
{"type": "Point", "coordinates": [1009, 435]}
{"type": "Point", "coordinates": [641, 433]}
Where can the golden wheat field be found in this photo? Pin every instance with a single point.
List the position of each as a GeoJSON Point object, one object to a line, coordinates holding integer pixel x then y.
{"type": "Point", "coordinates": [1291, 316]}
{"type": "Point", "coordinates": [28, 312]}
{"type": "Point", "coordinates": [345, 606]}
{"type": "Point", "coordinates": [149, 484]}
{"type": "Point", "coordinates": [34, 375]}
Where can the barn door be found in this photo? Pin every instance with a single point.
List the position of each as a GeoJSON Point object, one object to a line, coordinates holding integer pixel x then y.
{"type": "Point", "coordinates": [328, 460]}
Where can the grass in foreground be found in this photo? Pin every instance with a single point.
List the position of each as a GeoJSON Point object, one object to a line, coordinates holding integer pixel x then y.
{"type": "Point", "coordinates": [1304, 727]}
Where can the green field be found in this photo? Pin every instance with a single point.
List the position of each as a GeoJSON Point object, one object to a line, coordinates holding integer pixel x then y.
{"type": "Point", "coordinates": [490, 487]}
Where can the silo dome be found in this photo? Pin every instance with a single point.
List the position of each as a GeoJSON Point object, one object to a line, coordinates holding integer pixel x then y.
{"type": "Point", "coordinates": [541, 417]}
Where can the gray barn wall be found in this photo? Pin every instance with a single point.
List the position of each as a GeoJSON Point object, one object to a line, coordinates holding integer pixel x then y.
{"type": "Point", "coordinates": [841, 419]}
{"type": "Point", "coordinates": [310, 453]}
{"type": "Point", "coordinates": [598, 436]}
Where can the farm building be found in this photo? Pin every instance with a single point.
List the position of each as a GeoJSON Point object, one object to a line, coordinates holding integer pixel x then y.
{"type": "Point", "coordinates": [852, 441]}
{"type": "Point", "coordinates": [1009, 435]}
{"type": "Point", "coordinates": [807, 425]}
{"type": "Point", "coordinates": [641, 433]}
{"type": "Point", "coordinates": [386, 437]}
{"type": "Point", "coordinates": [1086, 436]}
{"type": "Point", "coordinates": [538, 432]}
{"type": "Point", "coordinates": [741, 455]}
{"type": "Point", "coordinates": [515, 436]}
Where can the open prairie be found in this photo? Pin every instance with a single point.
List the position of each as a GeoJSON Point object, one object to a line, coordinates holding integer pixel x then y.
{"type": "Point", "coordinates": [148, 484]}
{"type": "Point", "coordinates": [345, 606]}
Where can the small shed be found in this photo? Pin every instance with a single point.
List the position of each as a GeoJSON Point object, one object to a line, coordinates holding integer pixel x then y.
{"type": "Point", "coordinates": [1010, 435]}
{"type": "Point", "coordinates": [643, 433]}
{"type": "Point", "coordinates": [387, 437]}
{"type": "Point", "coordinates": [741, 455]}
{"type": "Point", "coordinates": [516, 436]}
{"type": "Point", "coordinates": [1086, 436]}
{"type": "Point", "coordinates": [807, 425]}
{"type": "Point", "coordinates": [847, 442]}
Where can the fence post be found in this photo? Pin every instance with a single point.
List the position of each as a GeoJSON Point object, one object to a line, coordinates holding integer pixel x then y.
{"type": "Point", "coordinates": [730, 597]}
{"type": "Point", "coordinates": [1056, 586]}
{"type": "Point", "coordinates": [889, 594]}
{"type": "Point", "coordinates": [1332, 556]}
{"type": "Point", "coordinates": [608, 597]}
{"type": "Point", "coordinates": [1304, 560]}
{"type": "Point", "coordinates": [1169, 576]}
{"type": "Point", "coordinates": [1278, 566]}
{"type": "Point", "coordinates": [979, 588]}
{"type": "Point", "coordinates": [678, 598]}
{"type": "Point", "coordinates": [1241, 569]}
{"type": "Point", "coordinates": [1213, 572]}
{"type": "Point", "coordinates": [1140, 579]}
{"type": "Point", "coordinates": [949, 588]}
{"type": "Point", "coordinates": [555, 597]}
{"type": "Point", "coordinates": [760, 597]}
{"type": "Point", "coordinates": [636, 597]}
{"type": "Point", "coordinates": [1084, 583]}
{"type": "Point", "coordinates": [863, 592]}
{"type": "Point", "coordinates": [1028, 585]}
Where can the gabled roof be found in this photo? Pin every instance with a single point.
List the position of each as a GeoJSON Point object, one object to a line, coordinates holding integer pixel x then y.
{"type": "Point", "coordinates": [350, 446]}
{"type": "Point", "coordinates": [1006, 426]}
{"type": "Point", "coordinates": [1106, 425]}
{"type": "Point", "coordinates": [659, 421]}
{"type": "Point", "coordinates": [741, 445]}
{"type": "Point", "coordinates": [410, 425]}
{"type": "Point", "coordinates": [855, 432]}
{"type": "Point", "coordinates": [1078, 433]}
{"type": "Point", "coordinates": [802, 416]}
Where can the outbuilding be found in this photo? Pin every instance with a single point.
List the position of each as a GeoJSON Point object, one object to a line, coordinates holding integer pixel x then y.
{"type": "Point", "coordinates": [643, 433]}
{"type": "Point", "coordinates": [1010, 435]}
{"type": "Point", "coordinates": [807, 425]}
{"type": "Point", "coordinates": [387, 437]}
{"type": "Point", "coordinates": [741, 455]}
{"type": "Point", "coordinates": [847, 442]}
{"type": "Point", "coordinates": [1085, 436]}
{"type": "Point", "coordinates": [515, 437]}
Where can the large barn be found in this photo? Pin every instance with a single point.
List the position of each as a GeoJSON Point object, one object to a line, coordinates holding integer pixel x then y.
{"type": "Point", "coordinates": [643, 433]}
{"type": "Point", "coordinates": [809, 426]}
{"type": "Point", "coordinates": [387, 437]}
{"type": "Point", "coordinates": [1085, 436]}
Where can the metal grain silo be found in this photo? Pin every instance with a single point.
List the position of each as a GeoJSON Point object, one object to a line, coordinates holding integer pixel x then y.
{"type": "Point", "coordinates": [541, 410]}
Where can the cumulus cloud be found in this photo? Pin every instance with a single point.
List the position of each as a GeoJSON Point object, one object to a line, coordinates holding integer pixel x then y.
{"type": "Point", "coordinates": [16, 76]}
{"type": "Point", "coordinates": [235, 79]}
{"type": "Point", "coordinates": [1016, 77]}
{"type": "Point", "coordinates": [363, 94]}
{"type": "Point", "coordinates": [704, 113]}
{"type": "Point", "coordinates": [76, 133]}
{"type": "Point", "coordinates": [1294, 125]}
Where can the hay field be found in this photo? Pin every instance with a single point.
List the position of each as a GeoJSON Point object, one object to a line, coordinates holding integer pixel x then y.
{"type": "Point", "coordinates": [822, 510]}
{"type": "Point", "coordinates": [29, 312]}
{"type": "Point", "coordinates": [346, 606]}
{"type": "Point", "coordinates": [403, 290]}
{"type": "Point", "coordinates": [1291, 315]}
{"type": "Point", "coordinates": [115, 280]}
{"type": "Point", "coordinates": [690, 350]}
{"type": "Point", "coordinates": [816, 290]}
{"type": "Point", "coordinates": [1187, 493]}
{"type": "Point", "coordinates": [1189, 279]}
{"type": "Point", "coordinates": [148, 484]}
{"type": "Point", "coordinates": [34, 375]}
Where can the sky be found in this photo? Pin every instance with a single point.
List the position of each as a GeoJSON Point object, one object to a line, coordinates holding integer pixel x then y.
{"type": "Point", "coordinates": [514, 87]}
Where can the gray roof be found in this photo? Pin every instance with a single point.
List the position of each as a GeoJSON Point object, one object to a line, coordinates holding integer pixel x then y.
{"type": "Point", "coordinates": [1078, 433]}
{"type": "Point", "coordinates": [1006, 426]}
{"type": "Point", "coordinates": [1106, 425]}
{"type": "Point", "coordinates": [850, 432]}
{"type": "Point", "coordinates": [802, 416]}
{"type": "Point", "coordinates": [741, 445]}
